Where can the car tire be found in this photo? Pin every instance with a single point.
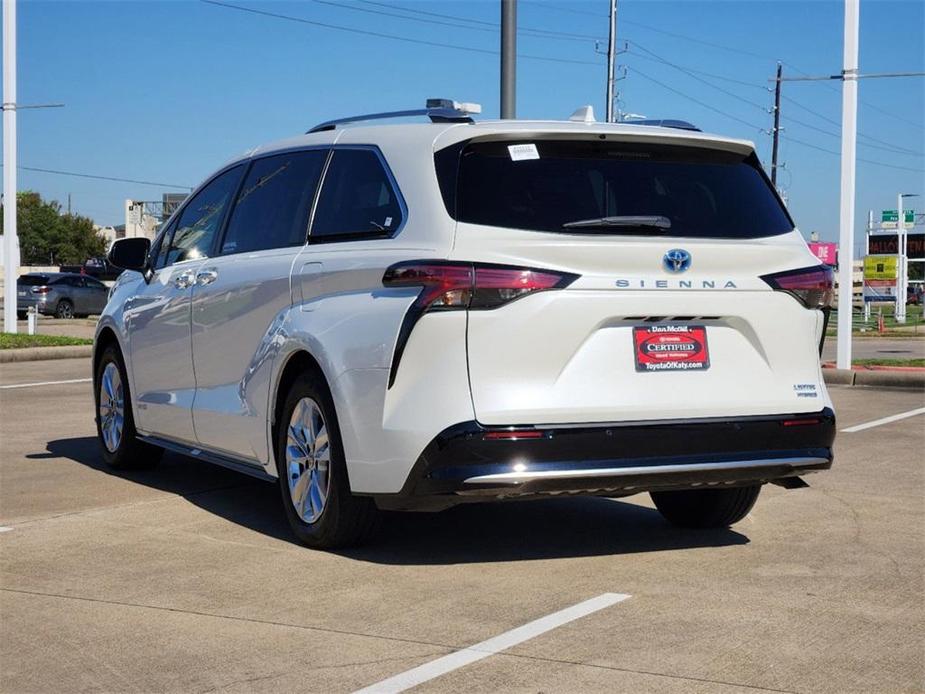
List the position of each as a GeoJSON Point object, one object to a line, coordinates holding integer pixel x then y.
{"type": "Point", "coordinates": [120, 445]}
{"type": "Point", "coordinates": [706, 508]}
{"type": "Point", "coordinates": [21, 315]}
{"type": "Point", "coordinates": [65, 309]}
{"type": "Point", "coordinates": [313, 482]}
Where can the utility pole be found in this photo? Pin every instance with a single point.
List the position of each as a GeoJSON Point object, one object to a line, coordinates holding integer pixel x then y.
{"type": "Point", "coordinates": [776, 133]}
{"type": "Point", "coordinates": [68, 203]}
{"type": "Point", "coordinates": [508, 58]}
{"type": "Point", "coordinates": [10, 239]}
{"type": "Point", "coordinates": [902, 238]}
{"type": "Point", "coordinates": [849, 135]}
{"type": "Point", "coordinates": [611, 55]}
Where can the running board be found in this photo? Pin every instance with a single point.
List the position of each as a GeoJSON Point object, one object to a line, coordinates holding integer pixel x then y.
{"type": "Point", "coordinates": [251, 469]}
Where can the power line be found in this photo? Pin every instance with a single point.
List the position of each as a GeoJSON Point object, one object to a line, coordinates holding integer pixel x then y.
{"type": "Point", "coordinates": [102, 178]}
{"type": "Point", "coordinates": [866, 161]}
{"type": "Point", "coordinates": [393, 37]}
{"type": "Point", "coordinates": [893, 149]}
{"type": "Point", "coordinates": [490, 26]}
{"type": "Point", "coordinates": [697, 101]}
{"type": "Point", "coordinates": [752, 125]}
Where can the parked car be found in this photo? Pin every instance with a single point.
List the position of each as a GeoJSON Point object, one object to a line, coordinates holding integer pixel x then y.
{"type": "Point", "coordinates": [60, 294]}
{"type": "Point", "coordinates": [412, 316]}
{"type": "Point", "coordinates": [98, 268]}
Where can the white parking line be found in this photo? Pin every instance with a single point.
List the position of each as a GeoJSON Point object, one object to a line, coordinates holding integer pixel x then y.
{"type": "Point", "coordinates": [4, 529]}
{"type": "Point", "coordinates": [458, 659]}
{"type": "Point", "coordinates": [46, 383]}
{"type": "Point", "coordinates": [885, 420]}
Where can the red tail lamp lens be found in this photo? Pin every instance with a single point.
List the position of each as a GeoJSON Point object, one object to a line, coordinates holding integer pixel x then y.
{"type": "Point", "coordinates": [800, 422]}
{"type": "Point", "coordinates": [468, 285]}
{"type": "Point", "coordinates": [814, 287]}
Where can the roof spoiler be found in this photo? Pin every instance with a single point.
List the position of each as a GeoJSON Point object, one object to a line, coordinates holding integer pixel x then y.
{"type": "Point", "coordinates": [664, 123]}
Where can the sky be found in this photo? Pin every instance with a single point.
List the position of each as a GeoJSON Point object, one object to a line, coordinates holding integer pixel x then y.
{"type": "Point", "coordinates": [165, 92]}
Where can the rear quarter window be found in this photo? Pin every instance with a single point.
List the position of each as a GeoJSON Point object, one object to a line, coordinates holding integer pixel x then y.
{"type": "Point", "coordinates": [702, 192]}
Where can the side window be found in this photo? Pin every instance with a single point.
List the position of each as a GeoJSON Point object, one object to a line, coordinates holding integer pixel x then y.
{"type": "Point", "coordinates": [161, 246]}
{"type": "Point", "coordinates": [274, 203]}
{"type": "Point", "coordinates": [95, 284]}
{"type": "Point", "coordinates": [202, 217]}
{"type": "Point", "coordinates": [357, 198]}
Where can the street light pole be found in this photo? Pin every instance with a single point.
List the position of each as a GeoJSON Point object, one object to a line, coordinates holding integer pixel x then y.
{"type": "Point", "coordinates": [10, 239]}
{"type": "Point", "coordinates": [902, 282]}
{"type": "Point", "coordinates": [611, 44]}
{"type": "Point", "coordinates": [848, 170]}
{"type": "Point", "coordinates": [508, 58]}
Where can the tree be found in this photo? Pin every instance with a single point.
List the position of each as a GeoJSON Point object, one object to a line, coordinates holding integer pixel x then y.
{"type": "Point", "coordinates": [47, 237]}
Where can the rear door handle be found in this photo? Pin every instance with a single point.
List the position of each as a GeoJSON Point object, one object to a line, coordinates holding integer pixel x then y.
{"type": "Point", "coordinates": [184, 280]}
{"type": "Point", "coordinates": [206, 277]}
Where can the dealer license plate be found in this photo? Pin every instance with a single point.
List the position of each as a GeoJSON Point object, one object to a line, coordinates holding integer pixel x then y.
{"type": "Point", "coordinates": [671, 348]}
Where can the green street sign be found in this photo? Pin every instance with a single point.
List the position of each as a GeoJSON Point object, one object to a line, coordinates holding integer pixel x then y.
{"type": "Point", "coordinates": [893, 216]}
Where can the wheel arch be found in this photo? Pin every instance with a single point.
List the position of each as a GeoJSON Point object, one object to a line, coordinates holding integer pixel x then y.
{"type": "Point", "coordinates": [297, 363]}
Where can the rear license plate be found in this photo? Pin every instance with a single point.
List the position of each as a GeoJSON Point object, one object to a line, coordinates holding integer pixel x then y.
{"type": "Point", "coordinates": [671, 348]}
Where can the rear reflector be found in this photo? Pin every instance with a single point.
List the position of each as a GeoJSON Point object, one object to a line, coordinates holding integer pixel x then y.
{"type": "Point", "coordinates": [512, 435]}
{"type": "Point", "coordinates": [799, 422]}
{"type": "Point", "coordinates": [814, 287]}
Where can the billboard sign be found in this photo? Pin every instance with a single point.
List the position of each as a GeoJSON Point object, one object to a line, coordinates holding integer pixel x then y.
{"type": "Point", "coordinates": [880, 273]}
{"type": "Point", "coordinates": [827, 252]}
{"type": "Point", "coordinates": [888, 244]}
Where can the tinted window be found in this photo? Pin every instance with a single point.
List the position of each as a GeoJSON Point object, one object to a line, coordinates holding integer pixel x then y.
{"type": "Point", "coordinates": [357, 198]}
{"type": "Point", "coordinates": [32, 280]}
{"type": "Point", "coordinates": [94, 284]}
{"type": "Point", "coordinates": [273, 206]}
{"type": "Point", "coordinates": [202, 218]}
{"type": "Point", "coordinates": [703, 193]}
{"type": "Point", "coordinates": [65, 281]}
{"type": "Point", "coordinates": [161, 246]}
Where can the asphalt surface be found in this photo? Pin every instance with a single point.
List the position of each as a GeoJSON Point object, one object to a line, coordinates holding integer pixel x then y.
{"type": "Point", "coordinates": [185, 578]}
{"type": "Point", "coordinates": [878, 348]}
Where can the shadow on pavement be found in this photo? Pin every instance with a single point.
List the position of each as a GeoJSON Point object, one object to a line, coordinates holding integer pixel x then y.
{"type": "Point", "coordinates": [470, 533]}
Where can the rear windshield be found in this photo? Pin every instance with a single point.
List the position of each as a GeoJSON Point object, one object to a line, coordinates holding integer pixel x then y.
{"type": "Point", "coordinates": [543, 185]}
{"type": "Point", "coordinates": [33, 280]}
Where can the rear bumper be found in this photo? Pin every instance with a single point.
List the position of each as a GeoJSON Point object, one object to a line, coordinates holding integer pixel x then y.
{"type": "Point", "coordinates": [462, 463]}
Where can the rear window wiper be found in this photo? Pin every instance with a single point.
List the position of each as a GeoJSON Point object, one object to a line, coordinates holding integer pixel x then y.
{"type": "Point", "coordinates": [654, 222]}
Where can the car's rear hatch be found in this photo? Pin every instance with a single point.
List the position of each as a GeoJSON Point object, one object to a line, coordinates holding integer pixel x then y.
{"type": "Point", "coordinates": [661, 323]}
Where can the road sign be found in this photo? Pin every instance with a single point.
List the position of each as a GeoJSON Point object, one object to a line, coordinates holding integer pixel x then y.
{"type": "Point", "coordinates": [881, 267]}
{"type": "Point", "coordinates": [892, 217]}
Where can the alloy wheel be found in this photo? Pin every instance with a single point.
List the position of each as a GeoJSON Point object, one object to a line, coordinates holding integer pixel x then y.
{"type": "Point", "coordinates": [112, 407]}
{"type": "Point", "coordinates": [308, 460]}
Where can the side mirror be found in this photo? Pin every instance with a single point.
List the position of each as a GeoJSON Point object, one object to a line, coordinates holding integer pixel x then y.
{"type": "Point", "coordinates": [130, 254]}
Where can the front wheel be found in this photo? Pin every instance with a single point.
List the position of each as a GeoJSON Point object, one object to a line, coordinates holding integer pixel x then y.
{"type": "Point", "coordinates": [706, 508]}
{"type": "Point", "coordinates": [313, 473]}
{"type": "Point", "coordinates": [115, 424]}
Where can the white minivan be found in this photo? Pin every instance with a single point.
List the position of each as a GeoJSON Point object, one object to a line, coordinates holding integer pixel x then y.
{"type": "Point", "coordinates": [415, 315]}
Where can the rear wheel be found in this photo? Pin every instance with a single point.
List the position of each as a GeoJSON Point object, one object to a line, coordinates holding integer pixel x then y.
{"type": "Point", "coordinates": [65, 309]}
{"type": "Point", "coordinates": [313, 474]}
{"type": "Point", "coordinates": [706, 508]}
{"type": "Point", "coordinates": [115, 424]}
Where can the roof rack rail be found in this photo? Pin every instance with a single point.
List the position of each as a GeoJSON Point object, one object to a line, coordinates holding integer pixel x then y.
{"type": "Point", "coordinates": [438, 110]}
{"type": "Point", "coordinates": [664, 123]}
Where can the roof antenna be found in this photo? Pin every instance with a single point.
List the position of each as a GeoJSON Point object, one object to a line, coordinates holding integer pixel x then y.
{"type": "Point", "coordinates": [583, 114]}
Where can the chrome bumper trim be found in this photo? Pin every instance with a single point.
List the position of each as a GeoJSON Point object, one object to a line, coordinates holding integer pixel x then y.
{"type": "Point", "coordinates": [515, 478]}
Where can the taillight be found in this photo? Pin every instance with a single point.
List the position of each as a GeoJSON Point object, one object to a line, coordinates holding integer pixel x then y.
{"type": "Point", "coordinates": [41, 290]}
{"type": "Point", "coordinates": [814, 287]}
{"type": "Point", "coordinates": [448, 285]}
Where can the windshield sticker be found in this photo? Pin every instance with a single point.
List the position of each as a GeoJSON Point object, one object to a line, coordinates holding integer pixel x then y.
{"type": "Point", "coordinates": [523, 152]}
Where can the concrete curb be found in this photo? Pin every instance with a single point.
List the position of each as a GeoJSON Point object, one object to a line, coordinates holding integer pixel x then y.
{"type": "Point", "coordinates": [41, 353]}
{"type": "Point", "coordinates": [881, 379]}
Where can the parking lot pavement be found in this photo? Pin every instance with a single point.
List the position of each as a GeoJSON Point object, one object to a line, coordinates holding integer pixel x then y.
{"type": "Point", "coordinates": [70, 327]}
{"type": "Point", "coordinates": [185, 578]}
{"type": "Point", "coordinates": [879, 348]}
